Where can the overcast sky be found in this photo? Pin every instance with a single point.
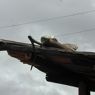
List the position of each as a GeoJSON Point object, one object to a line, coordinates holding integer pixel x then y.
{"type": "Point", "coordinates": [16, 78]}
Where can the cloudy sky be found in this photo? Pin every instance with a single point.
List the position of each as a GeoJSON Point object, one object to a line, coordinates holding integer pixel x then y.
{"type": "Point", "coordinates": [20, 18]}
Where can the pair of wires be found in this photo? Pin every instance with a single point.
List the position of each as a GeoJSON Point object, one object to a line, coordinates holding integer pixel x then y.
{"type": "Point", "coordinates": [54, 18]}
{"type": "Point", "coordinates": [73, 33]}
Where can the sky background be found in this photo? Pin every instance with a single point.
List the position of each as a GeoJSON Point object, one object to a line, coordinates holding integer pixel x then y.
{"type": "Point", "coordinates": [15, 77]}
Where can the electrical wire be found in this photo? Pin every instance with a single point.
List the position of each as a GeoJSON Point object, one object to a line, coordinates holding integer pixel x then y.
{"type": "Point", "coordinates": [73, 33]}
{"type": "Point", "coordinates": [48, 19]}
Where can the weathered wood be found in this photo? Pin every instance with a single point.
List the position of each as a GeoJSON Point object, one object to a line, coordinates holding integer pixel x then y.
{"type": "Point", "coordinates": [16, 46]}
{"type": "Point", "coordinates": [25, 47]}
{"type": "Point", "coordinates": [83, 88]}
{"type": "Point", "coordinates": [81, 63]}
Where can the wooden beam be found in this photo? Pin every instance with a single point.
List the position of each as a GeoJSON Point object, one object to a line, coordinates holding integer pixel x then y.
{"type": "Point", "coordinates": [83, 88]}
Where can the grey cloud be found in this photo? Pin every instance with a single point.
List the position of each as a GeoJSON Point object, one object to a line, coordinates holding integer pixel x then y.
{"type": "Point", "coordinates": [17, 79]}
{"type": "Point", "coordinates": [16, 83]}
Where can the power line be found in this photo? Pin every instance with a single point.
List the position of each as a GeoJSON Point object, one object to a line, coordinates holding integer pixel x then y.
{"type": "Point", "coordinates": [73, 33]}
{"type": "Point", "coordinates": [48, 19]}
